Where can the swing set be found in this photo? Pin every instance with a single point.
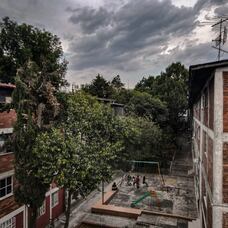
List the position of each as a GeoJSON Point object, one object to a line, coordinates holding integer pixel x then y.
{"type": "Point", "coordinates": [148, 166]}
{"type": "Point", "coordinates": [152, 167]}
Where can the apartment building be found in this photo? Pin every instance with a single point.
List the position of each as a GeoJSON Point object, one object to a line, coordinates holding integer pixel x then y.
{"type": "Point", "coordinates": [209, 106]}
{"type": "Point", "coordinates": [13, 215]}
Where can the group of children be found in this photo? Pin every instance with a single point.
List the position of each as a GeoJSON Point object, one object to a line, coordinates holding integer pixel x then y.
{"type": "Point", "coordinates": [135, 181]}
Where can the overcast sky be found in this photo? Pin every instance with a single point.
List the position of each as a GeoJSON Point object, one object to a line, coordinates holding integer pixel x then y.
{"type": "Point", "coordinates": [132, 38]}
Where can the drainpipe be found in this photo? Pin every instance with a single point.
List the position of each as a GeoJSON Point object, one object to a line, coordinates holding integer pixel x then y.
{"type": "Point", "coordinates": [50, 208]}
{"type": "Point", "coordinates": [102, 191]}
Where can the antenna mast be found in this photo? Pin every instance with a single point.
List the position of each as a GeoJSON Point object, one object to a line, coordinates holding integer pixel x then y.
{"type": "Point", "coordinates": [221, 38]}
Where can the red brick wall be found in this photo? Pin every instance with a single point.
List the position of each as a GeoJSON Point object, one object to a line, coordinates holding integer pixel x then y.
{"type": "Point", "coordinates": [205, 107]}
{"type": "Point", "coordinates": [210, 163]}
{"type": "Point", "coordinates": [204, 142]}
{"type": "Point", "coordinates": [225, 101]}
{"type": "Point", "coordinates": [58, 209]}
{"type": "Point", "coordinates": [225, 220]}
{"type": "Point", "coordinates": [211, 104]}
{"type": "Point", "coordinates": [43, 220]}
{"type": "Point", "coordinates": [225, 172]}
{"type": "Point", "coordinates": [209, 214]}
{"type": "Point", "coordinates": [6, 161]}
{"type": "Point", "coordinates": [7, 119]}
{"type": "Point", "coordinates": [19, 220]}
{"type": "Point", "coordinates": [197, 134]}
{"type": "Point", "coordinates": [196, 110]}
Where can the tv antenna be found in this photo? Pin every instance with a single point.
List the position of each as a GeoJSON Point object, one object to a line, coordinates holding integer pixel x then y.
{"type": "Point", "coordinates": [222, 37]}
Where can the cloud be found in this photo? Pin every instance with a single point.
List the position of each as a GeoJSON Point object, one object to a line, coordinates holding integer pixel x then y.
{"type": "Point", "coordinates": [222, 10]}
{"type": "Point", "coordinates": [90, 19]}
{"type": "Point", "coordinates": [129, 37]}
{"type": "Point", "coordinates": [120, 39]}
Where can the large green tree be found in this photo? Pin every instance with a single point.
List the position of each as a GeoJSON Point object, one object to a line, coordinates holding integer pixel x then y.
{"type": "Point", "coordinates": [38, 71]}
{"type": "Point", "coordinates": [170, 87]}
{"type": "Point", "coordinates": [20, 43]}
{"type": "Point", "coordinates": [90, 137]}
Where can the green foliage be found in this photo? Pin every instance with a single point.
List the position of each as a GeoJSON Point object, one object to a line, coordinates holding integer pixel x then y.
{"type": "Point", "coordinates": [161, 102]}
{"type": "Point", "coordinates": [22, 43]}
{"type": "Point", "coordinates": [143, 138]}
{"type": "Point", "coordinates": [99, 87]}
{"type": "Point", "coordinates": [80, 153]}
{"type": "Point", "coordinates": [170, 87]}
{"type": "Point", "coordinates": [116, 83]}
{"type": "Point", "coordinates": [98, 128]}
{"type": "Point", "coordinates": [123, 96]}
{"type": "Point", "coordinates": [34, 100]}
{"type": "Point", "coordinates": [37, 69]}
{"type": "Point", "coordinates": [145, 105]}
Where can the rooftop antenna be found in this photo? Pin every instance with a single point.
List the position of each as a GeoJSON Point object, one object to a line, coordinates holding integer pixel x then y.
{"type": "Point", "coordinates": [221, 38]}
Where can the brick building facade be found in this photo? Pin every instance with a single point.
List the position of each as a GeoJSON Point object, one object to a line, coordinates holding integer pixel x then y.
{"type": "Point", "coordinates": [13, 215]}
{"type": "Point", "coordinates": [209, 106]}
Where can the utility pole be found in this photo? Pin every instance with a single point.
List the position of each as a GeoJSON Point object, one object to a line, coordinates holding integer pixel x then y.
{"type": "Point", "coordinates": [221, 39]}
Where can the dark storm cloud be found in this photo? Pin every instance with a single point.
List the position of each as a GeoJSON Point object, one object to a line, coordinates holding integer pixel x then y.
{"type": "Point", "coordinates": [120, 35]}
{"type": "Point", "coordinates": [90, 19]}
{"type": "Point", "coordinates": [113, 37]}
{"type": "Point", "coordinates": [194, 54]}
{"type": "Point", "coordinates": [205, 3]}
{"type": "Point", "coordinates": [222, 10]}
{"type": "Point", "coordinates": [137, 22]}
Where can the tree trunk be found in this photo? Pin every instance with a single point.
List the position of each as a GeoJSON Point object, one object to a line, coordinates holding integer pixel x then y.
{"type": "Point", "coordinates": [68, 207]}
{"type": "Point", "coordinates": [33, 216]}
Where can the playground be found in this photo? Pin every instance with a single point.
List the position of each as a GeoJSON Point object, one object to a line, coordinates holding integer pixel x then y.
{"type": "Point", "coordinates": [173, 196]}
{"type": "Point", "coordinates": [144, 199]}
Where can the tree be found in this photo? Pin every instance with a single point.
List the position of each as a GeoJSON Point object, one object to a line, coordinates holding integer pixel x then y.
{"type": "Point", "coordinates": [145, 105]}
{"type": "Point", "coordinates": [36, 105]}
{"type": "Point", "coordinates": [22, 43]}
{"type": "Point", "coordinates": [116, 83]}
{"type": "Point", "coordinates": [143, 139]}
{"type": "Point", "coordinates": [99, 87]}
{"type": "Point", "coordinates": [170, 87]}
{"type": "Point", "coordinates": [91, 140]}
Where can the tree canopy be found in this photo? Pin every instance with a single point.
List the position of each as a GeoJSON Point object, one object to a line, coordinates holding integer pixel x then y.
{"type": "Point", "coordinates": [99, 87]}
{"type": "Point", "coordinates": [20, 43]}
{"type": "Point", "coordinates": [82, 150]}
{"type": "Point", "coordinates": [37, 68]}
{"type": "Point", "coordinates": [145, 105]}
{"type": "Point", "coordinates": [170, 87]}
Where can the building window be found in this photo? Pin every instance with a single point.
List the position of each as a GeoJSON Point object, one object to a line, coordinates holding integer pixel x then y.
{"type": "Point", "coordinates": [2, 99]}
{"type": "Point", "coordinates": [5, 146]}
{"type": "Point", "coordinates": [42, 209]}
{"type": "Point", "coordinates": [54, 199]}
{"type": "Point", "coordinates": [10, 223]}
{"type": "Point", "coordinates": [6, 186]}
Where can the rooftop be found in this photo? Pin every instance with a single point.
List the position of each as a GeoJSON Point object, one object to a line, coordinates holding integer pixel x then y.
{"type": "Point", "coordinates": [198, 76]}
{"type": "Point", "coordinates": [7, 85]}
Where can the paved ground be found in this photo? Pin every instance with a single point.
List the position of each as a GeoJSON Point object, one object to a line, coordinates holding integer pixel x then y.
{"type": "Point", "coordinates": [177, 202]}
{"type": "Point", "coordinates": [82, 209]}
{"type": "Point", "coordinates": [180, 199]}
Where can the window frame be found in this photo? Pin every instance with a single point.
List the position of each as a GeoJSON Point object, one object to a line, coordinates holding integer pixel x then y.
{"type": "Point", "coordinates": [12, 223]}
{"type": "Point", "coordinates": [3, 139]}
{"type": "Point", "coordinates": [54, 202]}
{"type": "Point", "coordinates": [11, 184]}
{"type": "Point", "coordinates": [42, 209]}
